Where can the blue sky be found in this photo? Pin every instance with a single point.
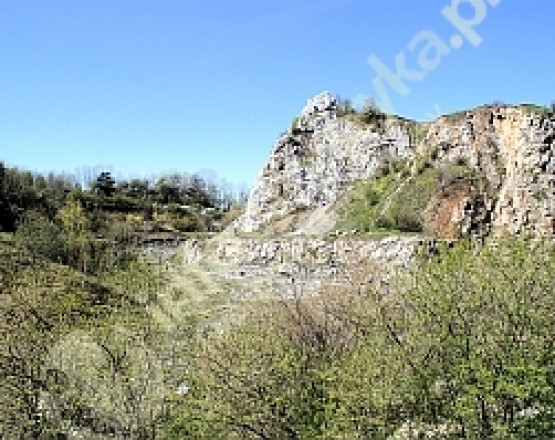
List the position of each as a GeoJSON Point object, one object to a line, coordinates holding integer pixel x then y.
{"type": "Point", "coordinates": [152, 86]}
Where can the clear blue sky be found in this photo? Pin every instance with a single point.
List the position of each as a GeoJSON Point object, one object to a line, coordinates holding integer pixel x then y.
{"type": "Point", "coordinates": [147, 86]}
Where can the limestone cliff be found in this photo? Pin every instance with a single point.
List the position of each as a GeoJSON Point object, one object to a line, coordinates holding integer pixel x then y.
{"type": "Point", "coordinates": [311, 164]}
{"type": "Point", "coordinates": [314, 163]}
{"type": "Point", "coordinates": [514, 148]}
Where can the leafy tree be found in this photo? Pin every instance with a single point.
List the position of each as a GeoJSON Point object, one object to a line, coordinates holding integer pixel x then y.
{"type": "Point", "coordinates": [477, 329]}
{"type": "Point", "coordinates": [16, 196]}
{"type": "Point", "coordinates": [58, 188]}
{"type": "Point", "coordinates": [138, 188]}
{"type": "Point", "coordinates": [168, 189]}
{"type": "Point", "coordinates": [76, 226]}
{"type": "Point", "coordinates": [196, 193]}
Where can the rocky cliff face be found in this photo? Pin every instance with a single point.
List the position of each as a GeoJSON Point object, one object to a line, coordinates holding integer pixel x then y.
{"type": "Point", "coordinates": [514, 148]}
{"type": "Point", "coordinates": [313, 165]}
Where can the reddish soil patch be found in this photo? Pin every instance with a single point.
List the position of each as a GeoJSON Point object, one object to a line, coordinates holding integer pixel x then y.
{"type": "Point", "coordinates": [446, 209]}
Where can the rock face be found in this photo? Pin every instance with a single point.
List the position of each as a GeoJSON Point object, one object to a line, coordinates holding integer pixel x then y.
{"type": "Point", "coordinates": [284, 267]}
{"type": "Point", "coordinates": [305, 251]}
{"type": "Point", "coordinates": [314, 163]}
{"type": "Point", "coordinates": [515, 149]}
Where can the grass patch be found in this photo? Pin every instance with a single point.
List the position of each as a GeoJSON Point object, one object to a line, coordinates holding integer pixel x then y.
{"type": "Point", "coordinates": [539, 110]}
{"type": "Point", "coordinates": [394, 202]}
{"type": "Point", "coordinates": [366, 202]}
{"type": "Point", "coordinates": [455, 117]}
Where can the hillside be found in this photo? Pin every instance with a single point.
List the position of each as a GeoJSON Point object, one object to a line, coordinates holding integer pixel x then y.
{"type": "Point", "coordinates": [338, 305]}
{"type": "Point", "coordinates": [478, 172]}
{"type": "Point", "coordinates": [382, 286]}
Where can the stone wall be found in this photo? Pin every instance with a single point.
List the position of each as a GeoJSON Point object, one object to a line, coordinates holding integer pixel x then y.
{"type": "Point", "coordinates": [305, 250]}
{"type": "Point", "coordinates": [286, 267]}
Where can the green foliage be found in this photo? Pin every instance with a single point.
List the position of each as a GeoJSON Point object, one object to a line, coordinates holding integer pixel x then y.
{"type": "Point", "coordinates": [407, 207]}
{"type": "Point", "coordinates": [40, 236]}
{"type": "Point", "coordinates": [272, 377]}
{"type": "Point", "coordinates": [370, 116]}
{"type": "Point", "coordinates": [394, 200]}
{"type": "Point", "coordinates": [81, 354]}
{"type": "Point", "coordinates": [378, 204]}
{"type": "Point", "coordinates": [539, 110]}
{"type": "Point", "coordinates": [463, 346]}
{"type": "Point", "coordinates": [540, 195]}
{"type": "Point", "coordinates": [366, 202]}
{"type": "Point", "coordinates": [482, 321]}
{"type": "Point", "coordinates": [16, 195]}
{"type": "Point", "coordinates": [375, 120]}
{"type": "Point", "coordinates": [204, 202]}
{"type": "Point", "coordinates": [105, 184]}
{"type": "Point", "coordinates": [40, 302]}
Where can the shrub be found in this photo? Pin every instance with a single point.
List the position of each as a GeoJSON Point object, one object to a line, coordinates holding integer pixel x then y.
{"type": "Point", "coordinates": [478, 324]}
{"type": "Point", "coordinates": [40, 236]}
{"type": "Point", "coordinates": [408, 222]}
{"type": "Point", "coordinates": [273, 376]}
{"type": "Point", "coordinates": [462, 344]}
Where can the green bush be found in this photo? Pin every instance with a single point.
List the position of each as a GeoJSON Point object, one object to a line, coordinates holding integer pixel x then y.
{"type": "Point", "coordinates": [408, 222]}
{"type": "Point", "coordinates": [190, 222]}
{"type": "Point", "coordinates": [461, 345]}
{"type": "Point", "coordinates": [479, 324]}
{"type": "Point", "coordinates": [40, 236]}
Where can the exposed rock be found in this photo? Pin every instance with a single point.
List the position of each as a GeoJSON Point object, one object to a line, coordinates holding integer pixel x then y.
{"type": "Point", "coordinates": [316, 161]}
{"type": "Point", "coordinates": [283, 267]}
{"type": "Point", "coordinates": [514, 149]}
{"type": "Point", "coordinates": [306, 251]}
{"type": "Point", "coordinates": [313, 163]}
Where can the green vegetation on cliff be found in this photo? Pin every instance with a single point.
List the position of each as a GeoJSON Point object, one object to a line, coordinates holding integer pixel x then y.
{"type": "Point", "coordinates": [401, 200]}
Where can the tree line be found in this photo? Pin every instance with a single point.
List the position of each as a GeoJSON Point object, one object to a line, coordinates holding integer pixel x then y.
{"type": "Point", "coordinates": [22, 191]}
{"type": "Point", "coordinates": [96, 226]}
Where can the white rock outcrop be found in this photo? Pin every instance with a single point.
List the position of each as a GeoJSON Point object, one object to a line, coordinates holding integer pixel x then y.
{"type": "Point", "coordinates": [312, 165]}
